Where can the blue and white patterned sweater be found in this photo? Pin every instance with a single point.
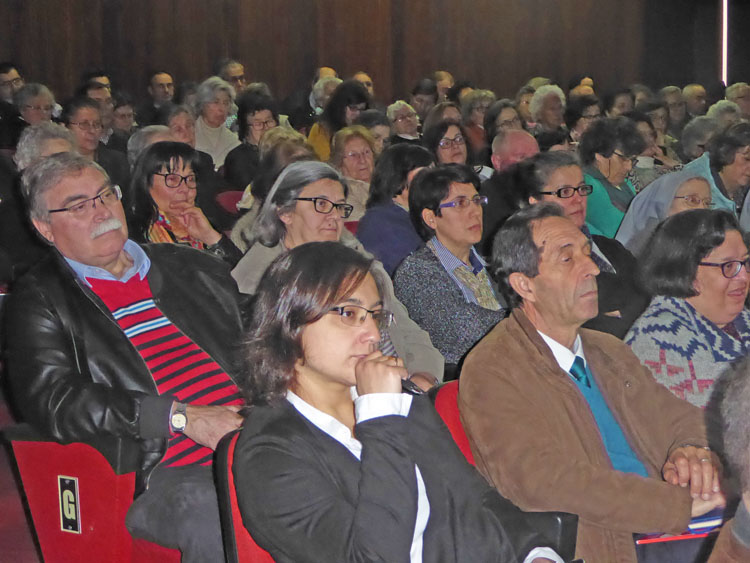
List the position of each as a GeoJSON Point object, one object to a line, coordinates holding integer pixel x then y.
{"type": "Point", "coordinates": [683, 349]}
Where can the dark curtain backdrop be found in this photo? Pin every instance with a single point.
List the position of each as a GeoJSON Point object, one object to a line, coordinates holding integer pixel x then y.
{"type": "Point", "coordinates": [497, 44]}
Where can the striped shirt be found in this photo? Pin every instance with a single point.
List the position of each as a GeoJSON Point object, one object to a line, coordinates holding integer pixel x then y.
{"type": "Point", "coordinates": [450, 263]}
{"type": "Point", "coordinates": [180, 368]}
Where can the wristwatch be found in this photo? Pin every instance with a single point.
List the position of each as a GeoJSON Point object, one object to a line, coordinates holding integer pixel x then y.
{"type": "Point", "coordinates": [178, 418]}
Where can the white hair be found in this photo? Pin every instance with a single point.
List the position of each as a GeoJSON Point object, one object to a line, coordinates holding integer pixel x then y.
{"type": "Point", "coordinates": [32, 141]}
{"type": "Point", "coordinates": [319, 89]}
{"type": "Point", "coordinates": [723, 108]}
{"type": "Point", "coordinates": [396, 106]}
{"type": "Point", "coordinates": [537, 101]}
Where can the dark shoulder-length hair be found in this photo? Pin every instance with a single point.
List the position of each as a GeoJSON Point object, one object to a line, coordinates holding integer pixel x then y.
{"type": "Point", "coordinates": [432, 135]}
{"type": "Point", "coordinates": [143, 211]}
{"type": "Point", "coordinates": [430, 187]}
{"type": "Point", "coordinates": [249, 104]}
{"type": "Point", "coordinates": [670, 261]}
{"type": "Point", "coordinates": [392, 169]}
{"type": "Point", "coordinates": [723, 148]}
{"type": "Point", "coordinates": [348, 93]}
{"type": "Point", "coordinates": [297, 289]}
{"type": "Point", "coordinates": [609, 134]}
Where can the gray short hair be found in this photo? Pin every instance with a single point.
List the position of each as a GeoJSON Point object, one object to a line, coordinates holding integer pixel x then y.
{"type": "Point", "coordinates": [318, 90]}
{"type": "Point", "coordinates": [396, 106]}
{"type": "Point", "coordinates": [724, 107]}
{"type": "Point", "coordinates": [141, 140]}
{"type": "Point", "coordinates": [46, 173]}
{"type": "Point", "coordinates": [667, 90]}
{"type": "Point", "coordinates": [735, 90]}
{"type": "Point", "coordinates": [33, 138]}
{"type": "Point", "coordinates": [470, 101]}
{"type": "Point", "coordinates": [268, 228]}
{"type": "Point", "coordinates": [31, 90]}
{"type": "Point", "coordinates": [514, 250]}
{"type": "Point", "coordinates": [544, 165]}
{"type": "Point", "coordinates": [537, 101]}
{"type": "Point", "coordinates": [207, 90]}
{"type": "Point", "coordinates": [697, 131]}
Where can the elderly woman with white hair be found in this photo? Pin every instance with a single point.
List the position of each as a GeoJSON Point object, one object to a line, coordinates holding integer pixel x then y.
{"type": "Point", "coordinates": [213, 104]}
{"type": "Point", "coordinates": [547, 107]}
{"type": "Point", "coordinates": [307, 203]}
{"type": "Point", "coordinates": [43, 139]}
{"type": "Point", "coordinates": [35, 102]}
{"type": "Point", "coordinates": [404, 123]}
{"type": "Point", "coordinates": [474, 106]}
{"type": "Point", "coordinates": [725, 112]}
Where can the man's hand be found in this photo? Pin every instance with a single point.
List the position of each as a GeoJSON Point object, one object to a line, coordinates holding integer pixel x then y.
{"type": "Point", "coordinates": [697, 467]}
{"type": "Point", "coordinates": [206, 425]}
{"type": "Point", "coordinates": [701, 507]}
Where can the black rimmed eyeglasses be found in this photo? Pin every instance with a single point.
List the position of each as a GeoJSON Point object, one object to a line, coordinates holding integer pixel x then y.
{"type": "Point", "coordinates": [564, 192]}
{"type": "Point", "coordinates": [325, 206]}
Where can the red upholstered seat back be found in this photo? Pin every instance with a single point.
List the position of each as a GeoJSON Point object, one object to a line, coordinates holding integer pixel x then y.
{"type": "Point", "coordinates": [78, 505]}
{"type": "Point", "coordinates": [228, 201]}
{"type": "Point", "coordinates": [446, 404]}
{"type": "Point", "coordinates": [247, 551]}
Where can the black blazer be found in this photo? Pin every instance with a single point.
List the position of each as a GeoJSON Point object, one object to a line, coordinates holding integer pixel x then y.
{"type": "Point", "coordinates": [617, 292]}
{"type": "Point", "coordinates": [304, 497]}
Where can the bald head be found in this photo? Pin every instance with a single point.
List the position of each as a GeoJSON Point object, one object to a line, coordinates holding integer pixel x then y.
{"type": "Point", "coordinates": [512, 146]}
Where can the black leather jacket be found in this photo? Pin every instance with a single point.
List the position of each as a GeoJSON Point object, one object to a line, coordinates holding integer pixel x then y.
{"type": "Point", "coordinates": [76, 377]}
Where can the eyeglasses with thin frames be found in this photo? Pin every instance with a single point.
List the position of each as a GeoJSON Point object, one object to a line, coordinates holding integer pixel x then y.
{"type": "Point", "coordinates": [108, 196]}
{"type": "Point", "coordinates": [325, 206]}
{"type": "Point", "coordinates": [356, 315]}
{"type": "Point", "coordinates": [692, 200]}
{"type": "Point", "coordinates": [88, 125]}
{"type": "Point", "coordinates": [731, 268]}
{"type": "Point", "coordinates": [463, 202]}
{"type": "Point", "coordinates": [446, 143]}
{"type": "Point", "coordinates": [631, 159]}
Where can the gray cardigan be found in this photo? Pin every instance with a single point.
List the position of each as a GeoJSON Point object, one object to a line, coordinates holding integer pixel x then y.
{"type": "Point", "coordinates": [437, 305]}
{"type": "Point", "coordinates": [411, 342]}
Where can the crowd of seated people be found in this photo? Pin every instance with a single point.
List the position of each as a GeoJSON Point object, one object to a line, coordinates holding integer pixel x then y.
{"type": "Point", "coordinates": [576, 259]}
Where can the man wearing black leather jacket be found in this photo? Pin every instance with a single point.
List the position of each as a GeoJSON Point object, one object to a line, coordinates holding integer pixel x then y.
{"type": "Point", "coordinates": [132, 349]}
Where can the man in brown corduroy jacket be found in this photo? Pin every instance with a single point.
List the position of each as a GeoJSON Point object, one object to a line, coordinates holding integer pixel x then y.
{"type": "Point", "coordinates": [564, 418]}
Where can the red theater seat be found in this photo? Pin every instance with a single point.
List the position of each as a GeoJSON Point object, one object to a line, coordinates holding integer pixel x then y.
{"type": "Point", "coordinates": [446, 404]}
{"type": "Point", "coordinates": [239, 546]}
{"type": "Point", "coordinates": [78, 503]}
{"type": "Point", "coordinates": [228, 201]}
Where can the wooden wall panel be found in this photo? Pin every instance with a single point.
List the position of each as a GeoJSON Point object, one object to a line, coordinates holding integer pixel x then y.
{"type": "Point", "coordinates": [497, 44]}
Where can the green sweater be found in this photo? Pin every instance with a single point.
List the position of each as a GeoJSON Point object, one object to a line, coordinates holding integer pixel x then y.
{"type": "Point", "coordinates": [602, 216]}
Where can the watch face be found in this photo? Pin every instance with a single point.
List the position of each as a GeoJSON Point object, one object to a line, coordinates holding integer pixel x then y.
{"type": "Point", "coordinates": [179, 421]}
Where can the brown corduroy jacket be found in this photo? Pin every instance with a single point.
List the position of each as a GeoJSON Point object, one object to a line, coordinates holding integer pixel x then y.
{"type": "Point", "coordinates": [534, 437]}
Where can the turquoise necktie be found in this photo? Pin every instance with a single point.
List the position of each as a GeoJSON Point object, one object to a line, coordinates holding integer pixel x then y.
{"type": "Point", "coordinates": [578, 371]}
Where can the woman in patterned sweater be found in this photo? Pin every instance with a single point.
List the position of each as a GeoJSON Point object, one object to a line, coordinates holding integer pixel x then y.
{"type": "Point", "coordinates": [696, 267]}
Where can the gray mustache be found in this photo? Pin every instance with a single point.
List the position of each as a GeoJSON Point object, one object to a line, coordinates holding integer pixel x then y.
{"type": "Point", "coordinates": [111, 224]}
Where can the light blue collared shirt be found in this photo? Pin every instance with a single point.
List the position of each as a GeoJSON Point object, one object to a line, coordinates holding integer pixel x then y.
{"type": "Point", "coordinates": [450, 263]}
{"type": "Point", "coordinates": [141, 265]}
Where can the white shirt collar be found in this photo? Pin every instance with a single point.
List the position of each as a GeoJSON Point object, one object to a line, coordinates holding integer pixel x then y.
{"type": "Point", "coordinates": [563, 355]}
